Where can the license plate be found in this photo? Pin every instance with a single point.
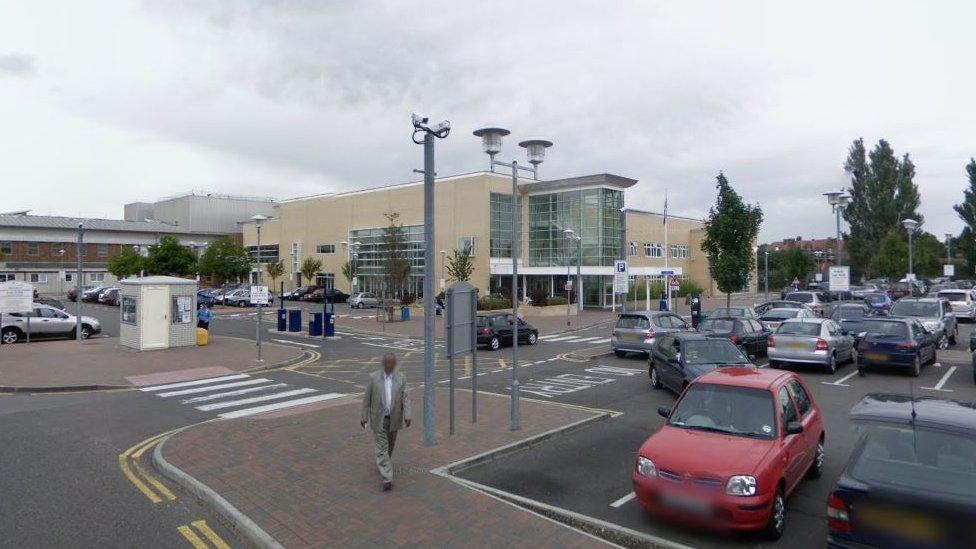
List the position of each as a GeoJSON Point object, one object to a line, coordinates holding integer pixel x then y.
{"type": "Point", "coordinates": [796, 345]}
{"type": "Point", "coordinates": [877, 357]}
{"type": "Point", "coordinates": [685, 503]}
{"type": "Point", "coordinates": [906, 525]}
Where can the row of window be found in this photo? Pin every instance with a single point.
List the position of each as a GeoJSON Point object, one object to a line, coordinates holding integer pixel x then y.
{"type": "Point", "coordinates": [651, 249]}
{"type": "Point", "coordinates": [55, 248]}
{"type": "Point", "coordinates": [42, 278]}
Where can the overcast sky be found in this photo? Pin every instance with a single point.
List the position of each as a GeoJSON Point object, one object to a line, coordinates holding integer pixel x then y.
{"type": "Point", "coordinates": [103, 103]}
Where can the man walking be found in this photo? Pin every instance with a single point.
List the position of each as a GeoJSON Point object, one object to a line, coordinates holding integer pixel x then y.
{"type": "Point", "coordinates": [386, 407]}
{"type": "Point", "coordinates": [204, 316]}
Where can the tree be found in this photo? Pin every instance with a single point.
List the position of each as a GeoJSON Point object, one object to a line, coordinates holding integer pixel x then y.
{"type": "Point", "coordinates": [396, 266]}
{"type": "Point", "coordinates": [967, 212]}
{"type": "Point", "coordinates": [225, 260]}
{"type": "Point", "coordinates": [730, 231]}
{"type": "Point", "coordinates": [929, 254]}
{"type": "Point", "coordinates": [891, 257]}
{"type": "Point", "coordinates": [169, 257]}
{"type": "Point", "coordinates": [310, 268]}
{"type": "Point", "coordinates": [795, 263]}
{"type": "Point", "coordinates": [125, 264]}
{"type": "Point", "coordinates": [965, 246]}
{"type": "Point", "coordinates": [883, 193]}
{"type": "Point", "coordinates": [275, 271]}
{"type": "Point", "coordinates": [459, 265]}
{"type": "Point", "coordinates": [349, 270]}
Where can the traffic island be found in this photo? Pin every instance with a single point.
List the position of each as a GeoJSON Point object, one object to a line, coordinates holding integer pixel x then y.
{"type": "Point", "coordinates": [103, 363]}
{"type": "Point", "coordinates": [307, 476]}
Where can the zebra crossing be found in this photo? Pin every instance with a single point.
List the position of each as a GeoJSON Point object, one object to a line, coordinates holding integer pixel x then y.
{"type": "Point", "coordinates": [563, 338]}
{"type": "Point", "coordinates": [238, 395]}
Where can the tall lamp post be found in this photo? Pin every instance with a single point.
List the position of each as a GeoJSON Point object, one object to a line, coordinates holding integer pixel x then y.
{"type": "Point", "coordinates": [766, 274]}
{"type": "Point", "coordinates": [60, 271]}
{"type": "Point", "coordinates": [948, 248]}
{"type": "Point", "coordinates": [79, 254]}
{"type": "Point", "coordinates": [491, 144]}
{"type": "Point", "coordinates": [571, 234]}
{"type": "Point", "coordinates": [443, 258]}
{"type": "Point", "coordinates": [258, 220]}
{"type": "Point", "coordinates": [439, 130]}
{"type": "Point", "coordinates": [838, 200]}
{"type": "Point", "coordinates": [910, 225]}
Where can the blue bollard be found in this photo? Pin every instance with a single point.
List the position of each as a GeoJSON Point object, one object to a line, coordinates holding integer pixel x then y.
{"type": "Point", "coordinates": [295, 320]}
{"type": "Point", "coordinates": [282, 320]}
{"type": "Point", "coordinates": [404, 313]}
{"type": "Point", "coordinates": [329, 324]}
{"type": "Point", "coordinates": [315, 325]}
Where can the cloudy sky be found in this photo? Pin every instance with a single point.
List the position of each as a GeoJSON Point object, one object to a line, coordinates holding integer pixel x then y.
{"type": "Point", "coordinates": [110, 102]}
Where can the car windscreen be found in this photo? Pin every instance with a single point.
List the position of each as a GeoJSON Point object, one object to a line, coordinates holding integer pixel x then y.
{"type": "Point", "coordinates": [727, 312]}
{"type": "Point", "coordinates": [741, 411]}
{"type": "Point", "coordinates": [781, 314]}
{"type": "Point", "coordinates": [799, 328]}
{"type": "Point", "coordinates": [635, 322]}
{"type": "Point", "coordinates": [915, 308]}
{"type": "Point", "coordinates": [886, 328]}
{"type": "Point", "coordinates": [923, 459]}
{"type": "Point", "coordinates": [874, 298]}
{"type": "Point", "coordinates": [802, 297]}
{"type": "Point", "coordinates": [953, 296]}
{"type": "Point", "coordinates": [847, 313]}
{"type": "Point", "coordinates": [717, 325]}
{"type": "Point", "coordinates": [712, 351]}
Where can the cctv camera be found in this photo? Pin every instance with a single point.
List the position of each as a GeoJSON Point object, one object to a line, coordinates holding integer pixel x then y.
{"type": "Point", "coordinates": [441, 126]}
{"type": "Point", "coordinates": [418, 119]}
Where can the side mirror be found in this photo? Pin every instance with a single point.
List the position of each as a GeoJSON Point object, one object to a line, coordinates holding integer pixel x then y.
{"type": "Point", "coordinates": [794, 428]}
{"type": "Point", "coordinates": [663, 411]}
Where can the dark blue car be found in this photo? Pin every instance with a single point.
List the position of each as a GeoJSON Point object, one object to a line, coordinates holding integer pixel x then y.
{"type": "Point", "coordinates": [911, 479]}
{"type": "Point", "coordinates": [895, 342]}
{"type": "Point", "coordinates": [204, 298]}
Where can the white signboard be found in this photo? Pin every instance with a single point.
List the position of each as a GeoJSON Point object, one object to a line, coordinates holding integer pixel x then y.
{"type": "Point", "coordinates": [259, 295]}
{"type": "Point", "coordinates": [16, 297]}
{"type": "Point", "coordinates": [840, 279]}
{"type": "Point", "coordinates": [620, 285]}
{"type": "Point", "coordinates": [949, 270]}
{"type": "Point", "coordinates": [818, 277]}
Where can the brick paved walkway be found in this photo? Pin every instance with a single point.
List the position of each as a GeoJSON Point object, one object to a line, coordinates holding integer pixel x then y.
{"type": "Point", "coordinates": [309, 479]}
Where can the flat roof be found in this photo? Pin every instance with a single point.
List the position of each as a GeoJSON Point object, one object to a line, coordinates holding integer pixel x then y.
{"type": "Point", "coordinates": [93, 224]}
{"type": "Point", "coordinates": [659, 214]}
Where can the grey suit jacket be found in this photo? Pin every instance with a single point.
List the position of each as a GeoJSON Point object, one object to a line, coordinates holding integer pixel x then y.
{"type": "Point", "coordinates": [373, 412]}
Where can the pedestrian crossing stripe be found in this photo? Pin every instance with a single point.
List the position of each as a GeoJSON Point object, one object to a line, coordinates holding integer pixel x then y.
{"type": "Point", "coordinates": [559, 338]}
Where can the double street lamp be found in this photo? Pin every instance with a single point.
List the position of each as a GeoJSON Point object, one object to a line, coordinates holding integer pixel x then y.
{"type": "Point", "coordinates": [948, 248]}
{"type": "Point", "coordinates": [571, 234]}
{"type": "Point", "coordinates": [910, 225]}
{"type": "Point", "coordinates": [491, 144]}
{"type": "Point", "coordinates": [838, 200]}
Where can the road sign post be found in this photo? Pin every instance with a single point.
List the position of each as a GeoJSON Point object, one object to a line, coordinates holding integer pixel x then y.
{"type": "Point", "coordinates": [620, 281]}
{"type": "Point", "coordinates": [840, 279]}
{"type": "Point", "coordinates": [17, 297]}
{"type": "Point", "coordinates": [259, 298]}
{"type": "Point", "coordinates": [461, 336]}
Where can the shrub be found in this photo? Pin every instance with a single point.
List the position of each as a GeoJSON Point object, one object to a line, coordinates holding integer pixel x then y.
{"type": "Point", "coordinates": [689, 287]}
{"type": "Point", "coordinates": [489, 303]}
{"type": "Point", "coordinates": [557, 300]}
{"type": "Point", "coordinates": [539, 297]}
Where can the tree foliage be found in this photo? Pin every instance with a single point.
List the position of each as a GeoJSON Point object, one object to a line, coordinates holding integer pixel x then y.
{"type": "Point", "coordinates": [967, 212]}
{"type": "Point", "coordinates": [796, 263]}
{"type": "Point", "coordinates": [730, 231]}
{"type": "Point", "coordinates": [225, 260]}
{"type": "Point", "coordinates": [350, 269]}
{"type": "Point", "coordinates": [310, 268]}
{"type": "Point", "coordinates": [169, 257]}
{"type": "Point", "coordinates": [275, 271]}
{"type": "Point", "coordinates": [891, 258]}
{"type": "Point", "coordinates": [125, 264]}
{"type": "Point", "coordinates": [396, 267]}
{"type": "Point", "coordinates": [459, 265]}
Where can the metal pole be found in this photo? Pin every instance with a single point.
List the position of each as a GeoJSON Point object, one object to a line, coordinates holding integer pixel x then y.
{"type": "Point", "coordinates": [78, 293]}
{"type": "Point", "coordinates": [429, 289]}
{"type": "Point", "coordinates": [516, 230]}
{"type": "Point", "coordinates": [910, 266]}
{"type": "Point", "coordinates": [766, 252]}
{"type": "Point", "coordinates": [568, 305]}
{"type": "Point", "coordinates": [840, 257]}
{"type": "Point", "coordinates": [449, 322]}
{"type": "Point", "coordinates": [579, 277]}
{"type": "Point", "coordinates": [257, 326]}
{"type": "Point", "coordinates": [474, 359]}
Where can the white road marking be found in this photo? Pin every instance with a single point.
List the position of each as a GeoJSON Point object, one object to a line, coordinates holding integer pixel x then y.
{"type": "Point", "coordinates": [622, 500]}
{"type": "Point", "coordinates": [562, 338]}
{"type": "Point", "coordinates": [233, 393]}
{"type": "Point", "coordinates": [195, 382]}
{"type": "Point", "coordinates": [840, 382]}
{"type": "Point", "coordinates": [252, 400]}
{"type": "Point", "coordinates": [550, 336]}
{"type": "Point", "coordinates": [213, 387]}
{"type": "Point", "coordinates": [279, 405]}
{"type": "Point", "coordinates": [551, 359]}
{"type": "Point", "coordinates": [587, 339]}
{"type": "Point", "coordinates": [295, 343]}
{"type": "Point", "coordinates": [945, 378]}
{"type": "Point", "coordinates": [604, 340]}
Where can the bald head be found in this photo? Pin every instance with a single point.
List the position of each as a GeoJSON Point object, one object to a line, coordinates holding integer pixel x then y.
{"type": "Point", "coordinates": [389, 362]}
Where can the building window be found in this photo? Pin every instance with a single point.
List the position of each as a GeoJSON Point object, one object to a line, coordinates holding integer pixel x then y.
{"type": "Point", "coordinates": [96, 277]}
{"type": "Point", "coordinates": [466, 243]}
{"type": "Point", "coordinates": [652, 249]}
{"type": "Point", "coordinates": [372, 251]}
{"type": "Point", "coordinates": [68, 277]}
{"type": "Point", "coordinates": [325, 249]}
{"type": "Point", "coordinates": [633, 249]}
{"type": "Point", "coordinates": [4, 277]}
{"type": "Point", "coordinates": [103, 250]}
{"type": "Point", "coordinates": [265, 253]}
{"type": "Point", "coordinates": [33, 248]}
{"type": "Point", "coordinates": [325, 280]}
{"type": "Point", "coordinates": [500, 223]}
{"type": "Point", "coordinates": [38, 278]}
{"type": "Point", "coordinates": [6, 247]}
{"type": "Point", "coordinates": [679, 251]}
{"type": "Point", "coordinates": [296, 257]}
{"type": "Point", "coordinates": [128, 309]}
{"type": "Point", "coordinates": [593, 214]}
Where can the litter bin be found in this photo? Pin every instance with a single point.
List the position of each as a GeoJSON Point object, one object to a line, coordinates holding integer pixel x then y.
{"type": "Point", "coordinates": [203, 336]}
{"type": "Point", "coordinates": [282, 320]}
{"type": "Point", "coordinates": [315, 325]}
{"type": "Point", "coordinates": [295, 320]}
{"type": "Point", "coordinates": [404, 313]}
{"type": "Point", "coordinates": [329, 324]}
{"type": "Point", "coordinates": [663, 305]}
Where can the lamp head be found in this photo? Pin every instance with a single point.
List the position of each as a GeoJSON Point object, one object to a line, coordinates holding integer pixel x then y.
{"type": "Point", "coordinates": [536, 150]}
{"type": "Point", "coordinates": [909, 224]}
{"type": "Point", "coordinates": [491, 139]}
{"type": "Point", "coordinates": [258, 219]}
{"type": "Point", "coordinates": [833, 197]}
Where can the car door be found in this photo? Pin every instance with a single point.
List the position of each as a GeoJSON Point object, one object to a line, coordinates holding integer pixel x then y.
{"type": "Point", "coordinates": [61, 323]}
{"type": "Point", "coordinates": [502, 326]}
{"type": "Point", "coordinates": [791, 446]}
{"type": "Point", "coordinates": [842, 344]}
{"type": "Point", "coordinates": [679, 323]}
{"type": "Point", "coordinates": [761, 335]}
{"type": "Point", "coordinates": [925, 339]}
{"type": "Point", "coordinates": [809, 417]}
{"type": "Point", "coordinates": [668, 367]}
{"type": "Point", "coordinates": [43, 322]}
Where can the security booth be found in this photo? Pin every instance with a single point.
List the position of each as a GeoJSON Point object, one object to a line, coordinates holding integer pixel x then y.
{"type": "Point", "coordinates": [158, 312]}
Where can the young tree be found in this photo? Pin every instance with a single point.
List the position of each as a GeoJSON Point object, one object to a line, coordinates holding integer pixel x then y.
{"type": "Point", "coordinates": [169, 257]}
{"type": "Point", "coordinates": [125, 264]}
{"type": "Point", "coordinates": [891, 257]}
{"type": "Point", "coordinates": [730, 231]}
{"type": "Point", "coordinates": [795, 263]}
{"type": "Point", "coordinates": [310, 268]}
{"type": "Point", "coordinates": [275, 271]}
{"type": "Point", "coordinates": [459, 265]}
{"type": "Point", "coordinates": [349, 270]}
{"type": "Point", "coordinates": [225, 260]}
{"type": "Point", "coordinates": [396, 266]}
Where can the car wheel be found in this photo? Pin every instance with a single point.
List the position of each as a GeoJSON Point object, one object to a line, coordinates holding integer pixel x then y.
{"type": "Point", "coordinates": [777, 517]}
{"type": "Point", "coordinates": [620, 354]}
{"type": "Point", "coordinates": [533, 338]}
{"type": "Point", "coordinates": [831, 367]}
{"type": "Point", "coordinates": [10, 335]}
{"type": "Point", "coordinates": [495, 343]}
{"type": "Point", "coordinates": [954, 336]}
{"type": "Point", "coordinates": [241, 304]}
{"type": "Point", "coordinates": [944, 342]}
{"type": "Point", "coordinates": [917, 366]}
{"type": "Point", "coordinates": [655, 380]}
{"type": "Point", "coordinates": [86, 331]}
{"type": "Point", "coordinates": [819, 458]}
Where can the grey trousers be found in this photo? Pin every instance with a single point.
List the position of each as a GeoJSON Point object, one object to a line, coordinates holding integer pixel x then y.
{"type": "Point", "coordinates": [384, 439]}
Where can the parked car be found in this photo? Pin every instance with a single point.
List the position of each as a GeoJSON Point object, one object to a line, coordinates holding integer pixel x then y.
{"type": "Point", "coordinates": [110, 297]}
{"type": "Point", "coordinates": [818, 341]}
{"type": "Point", "coordinates": [724, 312]}
{"type": "Point", "coordinates": [934, 313]}
{"type": "Point", "coordinates": [678, 358]}
{"type": "Point", "coordinates": [840, 295]}
{"type": "Point", "coordinates": [746, 333]}
{"type": "Point", "coordinates": [91, 294]}
{"type": "Point", "coordinates": [899, 342]}
{"type": "Point", "coordinates": [762, 308]}
{"type": "Point", "coordinates": [636, 332]}
{"type": "Point", "coordinates": [363, 299]}
{"type": "Point", "coordinates": [496, 329]}
{"type": "Point", "coordinates": [50, 302]}
{"type": "Point", "coordinates": [962, 303]}
{"type": "Point", "coordinates": [734, 447]}
{"type": "Point", "coordinates": [298, 293]}
{"type": "Point", "coordinates": [205, 297]}
{"type": "Point", "coordinates": [851, 317]}
{"type": "Point", "coordinates": [242, 298]}
{"type": "Point", "coordinates": [910, 481]}
{"type": "Point", "coordinates": [858, 292]}
{"type": "Point", "coordinates": [900, 290]}
{"type": "Point", "coordinates": [811, 299]}
{"type": "Point", "coordinates": [774, 317]}
{"type": "Point", "coordinates": [321, 294]}
{"type": "Point", "coordinates": [879, 302]}
{"type": "Point", "coordinates": [45, 322]}
{"type": "Point", "coordinates": [73, 292]}
{"type": "Point", "coordinates": [220, 294]}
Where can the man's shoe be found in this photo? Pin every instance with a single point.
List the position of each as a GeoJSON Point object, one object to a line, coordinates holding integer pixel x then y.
{"type": "Point", "coordinates": [387, 486]}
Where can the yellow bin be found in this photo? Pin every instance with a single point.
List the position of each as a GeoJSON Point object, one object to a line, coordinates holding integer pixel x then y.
{"type": "Point", "coordinates": [203, 336]}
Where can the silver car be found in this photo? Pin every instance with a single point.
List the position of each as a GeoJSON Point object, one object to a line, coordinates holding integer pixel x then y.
{"type": "Point", "coordinates": [818, 341]}
{"type": "Point", "coordinates": [45, 322]}
{"type": "Point", "coordinates": [934, 313]}
{"type": "Point", "coordinates": [636, 332]}
{"type": "Point", "coordinates": [810, 299]}
{"type": "Point", "coordinates": [362, 300]}
{"type": "Point", "coordinates": [774, 317]}
{"type": "Point", "coordinates": [962, 303]}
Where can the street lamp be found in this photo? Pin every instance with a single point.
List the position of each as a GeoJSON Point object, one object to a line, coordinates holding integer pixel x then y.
{"type": "Point", "coordinates": [79, 254]}
{"type": "Point", "coordinates": [443, 258]}
{"type": "Point", "coordinates": [491, 144]}
{"type": "Point", "coordinates": [61, 271]}
{"type": "Point", "coordinates": [571, 234]}
{"type": "Point", "coordinates": [766, 274]}
{"type": "Point", "coordinates": [838, 200]}
{"type": "Point", "coordinates": [258, 220]}
{"type": "Point", "coordinates": [948, 248]}
{"type": "Point", "coordinates": [910, 225]}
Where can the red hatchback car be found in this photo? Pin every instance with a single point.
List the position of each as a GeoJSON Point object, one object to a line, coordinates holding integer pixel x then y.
{"type": "Point", "coordinates": [736, 444]}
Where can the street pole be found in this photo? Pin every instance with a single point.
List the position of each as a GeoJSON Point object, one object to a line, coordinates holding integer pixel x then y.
{"type": "Point", "coordinates": [839, 257]}
{"type": "Point", "coordinates": [766, 252]}
{"type": "Point", "coordinates": [910, 264]}
{"type": "Point", "coordinates": [257, 327]}
{"type": "Point", "coordinates": [429, 289]}
{"type": "Point", "coordinates": [516, 230]}
{"type": "Point", "coordinates": [78, 293]}
{"type": "Point", "coordinates": [579, 277]}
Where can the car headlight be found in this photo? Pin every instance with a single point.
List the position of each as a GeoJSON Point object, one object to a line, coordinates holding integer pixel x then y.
{"type": "Point", "coordinates": [932, 325]}
{"type": "Point", "coordinates": [741, 485]}
{"type": "Point", "coordinates": [646, 467]}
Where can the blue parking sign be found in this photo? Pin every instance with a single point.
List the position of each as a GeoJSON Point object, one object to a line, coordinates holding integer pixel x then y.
{"type": "Point", "coordinates": [621, 266]}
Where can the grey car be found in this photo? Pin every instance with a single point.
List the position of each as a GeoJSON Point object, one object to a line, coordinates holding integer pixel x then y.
{"type": "Point", "coordinates": [636, 332]}
{"type": "Point", "coordinates": [362, 300]}
{"type": "Point", "coordinates": [45, 322]}
{"type": "Point", "coordinates": [816, 341]}
{"type": "Point", "coordinates": [963, 306]}
{"type": "Point", "coordinates": [934, 313]}
{"type": "Point", "coordinates": [774, 317]}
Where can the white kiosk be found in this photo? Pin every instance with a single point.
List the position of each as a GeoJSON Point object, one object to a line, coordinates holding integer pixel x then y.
{"type": "Point", "coordinates": [158, 312]}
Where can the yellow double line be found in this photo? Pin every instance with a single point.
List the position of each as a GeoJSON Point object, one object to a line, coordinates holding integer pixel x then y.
{"type": "Point", "coordinates": [133, 470]}
{"type": "Point", "coordinates": [196, 541]}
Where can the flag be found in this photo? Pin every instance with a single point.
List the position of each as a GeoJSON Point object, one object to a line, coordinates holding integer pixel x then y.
{"type": "Point", "coordinates": [665, 207]}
